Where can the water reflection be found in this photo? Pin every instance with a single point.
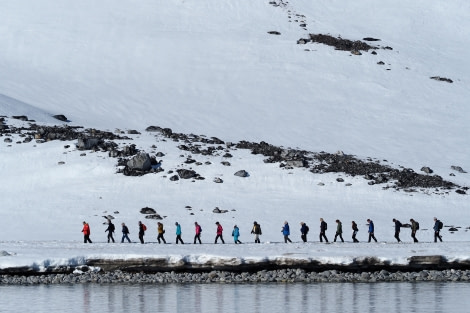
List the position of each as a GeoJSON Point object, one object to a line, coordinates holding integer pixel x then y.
{"type": "Point", "coordinates": [326, 297]}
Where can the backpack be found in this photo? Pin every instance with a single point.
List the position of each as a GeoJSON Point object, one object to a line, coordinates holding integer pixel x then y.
{"type": "Point", "coordinates": [111, 228]}
{"type": "Point", "coordinates": [440, 225]}
{"type": "Point", "coordinates": [326, 226]}
{"type": "Point", "coordinates": [306, 229]}
{"type": "Point", "coordinates": [417, 225]}
{"type": "Point", "coordinates": [144, 227]}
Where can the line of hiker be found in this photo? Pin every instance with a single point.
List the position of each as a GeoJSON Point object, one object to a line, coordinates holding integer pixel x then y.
{"type": "Point", "coordinates": [256, 231]}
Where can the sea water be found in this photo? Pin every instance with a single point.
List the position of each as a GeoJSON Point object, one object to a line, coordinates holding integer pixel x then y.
{"type": "Point", "coordinates": [273, 297]}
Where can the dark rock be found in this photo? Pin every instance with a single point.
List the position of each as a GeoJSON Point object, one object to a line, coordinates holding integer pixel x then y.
{"type": "Point", "coordinates": [380, 63]}
{"type": "Point", "coordinates": [453, 229]}
{"type": "Point", "coordinates": [427, 170]}
{"type": "Point", "coordinates": [174, 178]}
{"type": "Point", "coordinates": [370, 39]}
{"type": "Point", "coordinates": [242, 173]}
{"type": "Point", "coordinates": [442, 79]}
{"type": "Point", "coordinates": [460, 191]}
{"type": "Point", "coordinates": [61, 117]}
{"type": "Point", "coordinates": [340, 43]}
{"type": "Point", "coordinates": [458, 169]}
{"type": "Point", "coordinates": [340, 180]}
{"type": "Point", "coordinates": [154, 129]}
{"type": "Point", "coordinates": [154, 217]}
{"type": "Point", "coordinates": [140, 162]}
{"type": "Point", "coordinates": [133, 132]}
{"type": "Point", "coordinates": [218, 180]}
{"type": "Point", "coordinates": [186, 174]}
{"type": "Point", "coordinates": [87, 143]}
{"type": "Point", "coordinates": [147, 210]}
{"type": "Point", "coordinates": [273, 32]}
{"type": "Point", "coordinates": [20, 117]}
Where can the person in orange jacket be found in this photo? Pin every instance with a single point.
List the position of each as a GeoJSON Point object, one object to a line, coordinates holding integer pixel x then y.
{"type": "Point", "coordinates": [86, 232]}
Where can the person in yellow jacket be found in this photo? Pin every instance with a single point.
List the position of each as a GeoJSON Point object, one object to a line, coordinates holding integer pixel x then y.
{"type": "Point", "coordinates": [161, 231]}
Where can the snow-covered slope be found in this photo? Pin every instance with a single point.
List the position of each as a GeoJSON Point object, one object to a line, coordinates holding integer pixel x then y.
{"type": "Point", "coordinates": [211, 67]}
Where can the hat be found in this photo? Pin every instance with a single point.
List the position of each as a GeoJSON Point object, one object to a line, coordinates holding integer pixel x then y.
{"type": "Point", "coordinates": [217, 222]}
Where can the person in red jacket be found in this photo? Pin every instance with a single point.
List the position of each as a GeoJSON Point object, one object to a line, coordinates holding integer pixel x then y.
{"type": "Point", "coordinates": [198, 233]}
{"type": "Point", "coordinates": [219, 232]}
{"type": "Point", "coordinates": [86, 232]}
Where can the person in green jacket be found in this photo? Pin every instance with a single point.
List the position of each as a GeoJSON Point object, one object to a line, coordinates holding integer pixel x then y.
{"type": "Point", "coordinates": [339, 230]}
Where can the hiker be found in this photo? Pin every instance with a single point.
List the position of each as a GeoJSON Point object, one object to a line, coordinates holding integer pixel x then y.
{"type": "Point", "coordinates": [161, 231]}
{"type": "Point", "coordinates": [437, 228]}
{"type": "Point", "coordinates": [86, 232]}
{"type": "Point", "coordinates": [355, 230]}
{"type": "Point", "coordinates": [219, 233]}
{"type": "Point", "coordinates": [371, 230]}
{"type": "Point", "coordinates": [125, 232]}
{"type": "Point", "coordinates": [236, 234]}
{"type": "Point", "coordinates": [397, 229]}
{"type": "Point", "coordinates": [256, 230]}
{"type": "Point", "coordinates": [178, 233]}
{"type": "Point", "coordinates": [323, 228]}
{"type": "Point", "coordinates": [414, 228]}
{"type": "Point", "coordinates": [286, 232]}
{"type": "Point", "coordinates": [110, 230]}
{"type": "Point", "coordinates": [303, 231]}
{"type": "Point", "coordinates": [198, 233]}
{"type": "Point", "coordinates": [339, 230]}
{"type": "Point", "coordinates": [142, 229]}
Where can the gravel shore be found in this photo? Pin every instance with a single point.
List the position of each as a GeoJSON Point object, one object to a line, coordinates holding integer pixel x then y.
{"type": "Point", "coordinates": [275, 276]}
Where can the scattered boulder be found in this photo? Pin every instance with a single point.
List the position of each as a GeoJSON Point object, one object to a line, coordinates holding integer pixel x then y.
{"type": "Point", "coordinates": [174, 178]}
{"type": "Point", "coordinates": [217, 210]}
{"type": "Point", "coordinates": [340, 43]}
{"type": "Point", "coordinates": [140, 162]}
{"type": "Point", "coordinates": [61, 117]}
{"type": "Point", "coordinates": [87, 143]}
{"type": "Point", "coordinates": [20, 117]}
{"type": "Point", "coordinates": [242, 173]}
{"type": "Point", "coordinates": [427, 170]}
{"type": "Point", "coordinates": [274, 32]}
{"type": "Point", "coordinates": [442, 79]}
{"type": "Point", "coordinates": [147, 210]}
{"type": "Point", "coordinates": [218, 180]}
{"type": "Point", "coordinates": [458, 169]}
{"type": "Point", "coordinates": [154, 217]}
{"type": "Point", "coordinates": [186, 174]}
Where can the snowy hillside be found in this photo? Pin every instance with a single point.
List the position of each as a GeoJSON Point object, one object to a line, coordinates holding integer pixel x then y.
{"type": "Point", "coordinates": [233, 70]}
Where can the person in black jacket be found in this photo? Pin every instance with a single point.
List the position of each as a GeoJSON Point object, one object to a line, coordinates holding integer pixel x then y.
{"type": "Point", "coordinates": [323, 227]}
{"type": "Point", "coordinates": [437, 228]}
{"type": "Point", "coordinates": [303, 231]}
{"type": "Point", "coordinates": [141, 232]}
{"type": "Point", "coordinates": [256, 230]}
{"type": "Point", "coordinates": [110, 230]}
{"type": "Point", "coordinates": [125, 233]}
{"type": "Point", "coordinates": [397, 229]}
{"type": "Point", "coordinates": [355, 230]}
{"type": "Point", "coordinates": [414, 228]}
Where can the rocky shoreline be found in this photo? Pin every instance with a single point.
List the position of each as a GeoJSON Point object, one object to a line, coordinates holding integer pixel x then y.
{"type": "Point", "coordinates": [227, 277]}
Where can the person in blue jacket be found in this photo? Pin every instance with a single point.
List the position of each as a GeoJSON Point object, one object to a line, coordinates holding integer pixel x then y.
{"type": "Point", "coordinates": [236, 234]}
{"type": "Point", "coordinates": [178, 233]}
{"type": "Point", "coordinates": [286, 232]}
{"type": "Point", "coordinates": [371, 230]}
{"type": "Point", "coordinates": [437, 228]}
